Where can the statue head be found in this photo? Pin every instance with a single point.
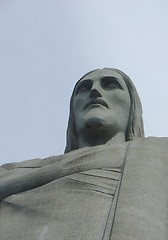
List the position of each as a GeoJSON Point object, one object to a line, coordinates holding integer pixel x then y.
{"type": "Point", "coordinates": [108, 94]}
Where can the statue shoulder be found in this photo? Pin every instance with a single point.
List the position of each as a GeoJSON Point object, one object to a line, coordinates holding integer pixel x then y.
{"type": "Point", "coordinates": [157, 142]}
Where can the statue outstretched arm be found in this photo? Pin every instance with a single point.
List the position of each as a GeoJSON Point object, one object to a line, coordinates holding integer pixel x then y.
{"type": "Point", "coordinates": [74, 162]}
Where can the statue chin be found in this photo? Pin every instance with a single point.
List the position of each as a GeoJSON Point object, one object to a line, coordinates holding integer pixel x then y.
{"type": "Point", "coordinates": [94, 124]}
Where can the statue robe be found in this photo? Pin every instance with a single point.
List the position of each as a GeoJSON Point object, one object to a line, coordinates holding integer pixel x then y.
{"type": "Point", "coordinates": [117, 192]}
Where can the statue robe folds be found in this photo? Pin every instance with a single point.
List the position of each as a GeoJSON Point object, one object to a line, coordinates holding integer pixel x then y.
{"type": "Point", "coordinates": [117, 192]}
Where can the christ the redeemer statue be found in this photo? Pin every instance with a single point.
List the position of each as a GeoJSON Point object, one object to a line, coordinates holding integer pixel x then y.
{"type": "Point", "coordinates": [111, 183]}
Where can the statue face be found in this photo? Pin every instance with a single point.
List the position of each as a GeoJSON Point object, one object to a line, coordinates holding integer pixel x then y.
{"type": "Point", "coordinates": [101, 102]}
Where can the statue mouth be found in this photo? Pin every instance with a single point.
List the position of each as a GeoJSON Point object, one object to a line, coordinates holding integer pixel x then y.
{"type": "Point", "coordinates": [96, 101]}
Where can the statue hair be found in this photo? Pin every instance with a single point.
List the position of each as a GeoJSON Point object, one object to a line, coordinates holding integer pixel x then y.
{"type": "Point", "coordinates": [135, 127]}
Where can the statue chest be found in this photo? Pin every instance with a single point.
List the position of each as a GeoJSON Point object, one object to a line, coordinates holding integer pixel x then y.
{"type": "Point", "coordinates": [73, 207]}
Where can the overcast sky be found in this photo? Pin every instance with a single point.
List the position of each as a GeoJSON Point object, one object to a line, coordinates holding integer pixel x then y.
{"type": "Point", "coordinates": [47, 45]}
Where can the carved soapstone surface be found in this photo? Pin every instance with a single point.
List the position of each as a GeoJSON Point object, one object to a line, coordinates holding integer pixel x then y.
{"type": "Point", "coordinates": [111, 183]}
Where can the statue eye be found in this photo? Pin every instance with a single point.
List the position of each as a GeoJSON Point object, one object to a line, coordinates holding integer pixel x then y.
{"type": "Point", "coordinates": [83, 86]}
{"type": "Point", "coordinates": [110, 83]}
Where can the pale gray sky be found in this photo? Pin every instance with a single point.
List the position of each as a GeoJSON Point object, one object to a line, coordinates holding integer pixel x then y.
{"type": "Point", "coordinates": [47, 45]}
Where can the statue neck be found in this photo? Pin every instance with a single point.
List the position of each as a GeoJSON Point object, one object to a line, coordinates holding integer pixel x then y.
{"type": "Point", "coordinates": [89, 140]}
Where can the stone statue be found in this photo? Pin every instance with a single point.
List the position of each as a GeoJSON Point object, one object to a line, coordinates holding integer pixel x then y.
{"type": "Point", "coordinates": [111, 183]}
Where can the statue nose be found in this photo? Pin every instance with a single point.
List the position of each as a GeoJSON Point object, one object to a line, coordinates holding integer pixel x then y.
{"type": "Point", "coordinates": [95, 93]}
